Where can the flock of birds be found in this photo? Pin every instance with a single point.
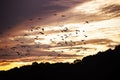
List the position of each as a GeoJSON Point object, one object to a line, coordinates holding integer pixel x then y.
{"type": "Point", "coordinates": [22, 49]}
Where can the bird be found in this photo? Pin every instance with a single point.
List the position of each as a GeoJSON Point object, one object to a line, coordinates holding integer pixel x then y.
{"type": "Point", "coordinates": [82, 40]}
{"type": "Point", "coordinates": [58, 54]}
{"type": "Point", "coordinates": [55, 14]}
{"type": "Point", "coordinates": [25, 35]}
{"type": "Point", "coordinates": [77, 50]}
{"type": "Point", "coordinates": [66, 36]}
{"type": "Point", "coordinates": [39, 18]}
{"type": "Point", "coordinates": [66, 42]}
{"type": "Point", "coordinates": [62, 51]}
{"type": "Point", "coordinates": [37, 28]}
{"type": "Point", "coordinates": [65, 29]}
{"type": "Point", "coordinates": [77, 30]}
{"type": "Point", "coordinates": [31, 30]}
{"type": "Point", "coordinates": [86, 22]}
{"type": "Point", "coordinates": [83, 30]}
{"type": "Point", "coordinates": [62, 15]}
{"type": "Point", "coordinates": [30, 19]}
{"type": "Point", "coordinates": [36, 38]}
{"type": "Point", "coordinates": [85, 35]}
{"type": "Point", "coordinates": [42, 29]}
{"type": "Point", "coordinates": [18, 53]}
{"type": "Point", "coordinates": [23, 46]}
{"type": "Point", "coordinates": [41, 33]}
{"type": "Point", "coordinates": [13, 48]}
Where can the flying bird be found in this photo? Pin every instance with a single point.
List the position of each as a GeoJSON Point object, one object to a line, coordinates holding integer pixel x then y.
{"type": "Point", "coordinates": [55, 14]}
{"type": "Point", "coordinates": [18, 53]}
{"type": "Point", "coordinates": [39, 18]}
{"type": "Point", "coordinates": [85, 35]}
{"type": "Point", "coordinates": [41, 33]}
{"type": "Point", "coordinates": [63, 16]}
{"type": "Point", "coordinates": [30, 19]}
{"type": "Point", "coordinates": [86, 21]}
{"type": "Point", "coordinates": [42, 29]}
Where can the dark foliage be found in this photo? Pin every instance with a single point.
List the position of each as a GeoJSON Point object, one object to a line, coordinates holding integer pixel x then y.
{"type": "Point", "coordinates": [102, 66]}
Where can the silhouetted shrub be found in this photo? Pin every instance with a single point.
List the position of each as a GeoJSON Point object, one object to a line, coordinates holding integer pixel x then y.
{"type": "Point", "coordinates": [34, 63]}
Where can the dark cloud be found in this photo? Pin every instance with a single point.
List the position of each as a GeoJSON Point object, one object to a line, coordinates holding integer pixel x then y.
{"type": "Point", "coordinates": [100, 41]}
{"type": "Point", "coordinates": [14, 12]}
{"type": "Point", "coordinates": [79, 48]}
{"type": "Point", "coordinates": [111, 46]}
{"type": "Point", "coordinates": [91, 41]}
{"type": "Point", "coordinates": [39, 57]}
{"type": "Point", "coordinates": [113, 10]}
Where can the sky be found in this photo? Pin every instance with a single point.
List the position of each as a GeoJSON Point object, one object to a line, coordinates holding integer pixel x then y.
{"type": "Point", "coordinates": [56, 30]}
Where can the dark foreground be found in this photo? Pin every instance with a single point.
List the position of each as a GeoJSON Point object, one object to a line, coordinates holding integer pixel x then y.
{"type": "Point", "coordinates": [102, 66]}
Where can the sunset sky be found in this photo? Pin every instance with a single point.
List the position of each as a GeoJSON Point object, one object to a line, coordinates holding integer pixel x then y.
{"type": "Point", "coordinates": [56, 30]}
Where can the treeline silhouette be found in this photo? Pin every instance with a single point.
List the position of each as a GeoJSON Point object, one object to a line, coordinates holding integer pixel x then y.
{"type": "Point", "coordinates": [102, 66]}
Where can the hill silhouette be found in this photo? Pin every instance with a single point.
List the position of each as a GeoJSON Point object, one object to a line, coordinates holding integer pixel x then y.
{"type": "Point", "coordinates": [102, 66]}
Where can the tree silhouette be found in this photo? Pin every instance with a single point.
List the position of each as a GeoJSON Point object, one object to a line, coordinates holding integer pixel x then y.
{"type": "Point", "coordinates": [102, 66]}
{"type": "Point", "coordinates": [34, 63]}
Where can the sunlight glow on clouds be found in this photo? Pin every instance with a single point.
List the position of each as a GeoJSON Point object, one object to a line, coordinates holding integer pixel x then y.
{"type": "Point", "coordinates": [74, 39]}
{"type": "Point", "coordinates": [94, 6]}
